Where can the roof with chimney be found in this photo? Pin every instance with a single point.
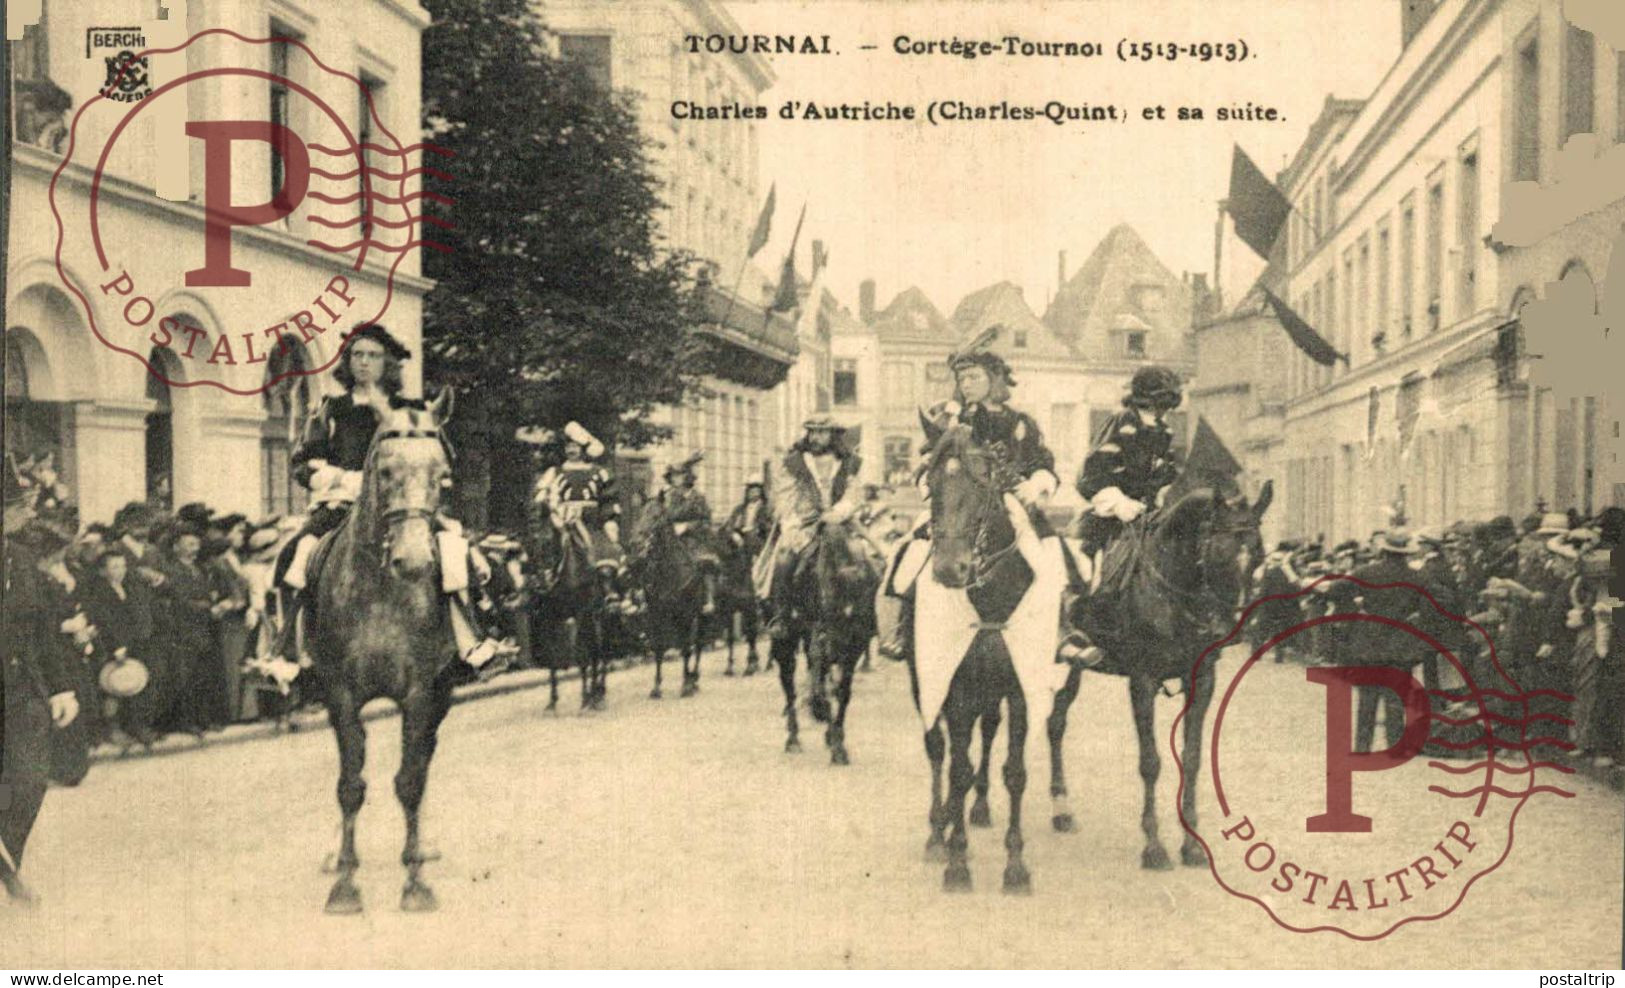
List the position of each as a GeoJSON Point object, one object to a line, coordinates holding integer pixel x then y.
{"type": "Point", "coordinates": [1122, 288]}
{"type": "Point", "coordinates": [1004, 303]}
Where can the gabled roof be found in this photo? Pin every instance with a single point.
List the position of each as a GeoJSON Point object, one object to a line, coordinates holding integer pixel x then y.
{"type": "Point", "coordinates": [912, 316]}
{"type": "Point", "coordinates": [1004, 303]}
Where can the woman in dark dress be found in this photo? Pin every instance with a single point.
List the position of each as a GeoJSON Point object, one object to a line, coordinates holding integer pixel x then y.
{"type": "Point", "coordinates": [229, 586]}
{"type": "Point", "coordinates": [121, 608]}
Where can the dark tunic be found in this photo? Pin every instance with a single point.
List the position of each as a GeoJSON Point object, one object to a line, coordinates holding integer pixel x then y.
{"type": "Point", "coordinates": [1132, 453]}
{"type": "Point", "coordinates": [1012, 437]}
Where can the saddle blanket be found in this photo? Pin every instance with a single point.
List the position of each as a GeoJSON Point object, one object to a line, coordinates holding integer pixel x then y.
{"type": "Point", "coordinates": [945, 623]}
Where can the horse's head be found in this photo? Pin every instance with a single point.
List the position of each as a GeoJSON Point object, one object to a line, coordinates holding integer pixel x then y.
{"type": "Point", "coordinates": [1222, 534]}
{"type": "Point", "coordinates": [967, 510]}
{"type": "Point", "coordinates": [407, 469]}
{"type": "Point", "coordinates": [845, 577]}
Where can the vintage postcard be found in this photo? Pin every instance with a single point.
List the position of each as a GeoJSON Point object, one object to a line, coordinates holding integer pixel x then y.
{"type": "Point", "coordinates": [775, 484]}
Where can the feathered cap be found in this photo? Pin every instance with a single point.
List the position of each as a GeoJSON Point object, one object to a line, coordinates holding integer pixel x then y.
{"type": "Point", "coordinates": [685, 465]}
{"type": "Point", "coordinates": [978, 353]}
{"type": "Point", "coordinates": [576, 433]}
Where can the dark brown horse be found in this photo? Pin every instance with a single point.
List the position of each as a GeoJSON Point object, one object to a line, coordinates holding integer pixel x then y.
{"type": "Point", "coordinates": [975, 559]}
{"type": "Point", "coordinates": [736, 600]}
{"type": "Point", "coordinates": [674, 594]}
{"type": "Point", "coordinates": [834, 620]}
{"type": "Point", "coordinates": [1188, 567]}
{"type": "Point", "coordinates": [568, 607]}
{"type": "Point", "coordinates": [379, 627]}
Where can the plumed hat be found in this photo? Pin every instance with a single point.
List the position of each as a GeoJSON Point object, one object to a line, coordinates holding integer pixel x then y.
{"type": "Point", "coordinates": [978, 353]}
{"type": "Point", "coordinates": [685, 465]}
{"type": "Point", "coordinates": [576, 433]}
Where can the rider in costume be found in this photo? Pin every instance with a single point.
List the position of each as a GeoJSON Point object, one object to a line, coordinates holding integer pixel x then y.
{"type": "Point", "coordinates": [690, 516]}
{"type": "Point", "coordinates": [580, 496]}
{"type": "Point", "coordinates": [329, 463]}
{"type": "Point", "coordinates": [817, 485]}
{"type": "Point", "coordinates": [1126, 472]}
{"type": "Point", "coordinates": [1025, 469]}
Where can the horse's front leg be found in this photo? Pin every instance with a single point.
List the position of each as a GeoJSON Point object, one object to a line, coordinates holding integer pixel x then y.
{"type": "Point", "coordinates": [728, 638]}
{"type": "Point", "coordinates": [818, 661]}
{"type": "Point", "coordinates": [750, 618]}
{"type": "Point", "coordinates": [691, 657]}
{"type": "Point", "coordinates": [421, 714]}
{"type": "Point", "coordinates": [961, 718]}
{"type": "Point", "coordinates": [846, 668]}
{"type": "Point", "coordinates": [981, 815]}
{"type": "Point", "coordinates": [936, 751]}
{"type": "Point", "coordinates": [1142, 694]}
{"type": "Point", "coordinates": [784, 653]}
{"type": "Point", "coordinates": [1017, 879]}
{"type": "Point", "coordinates": [345, 714]}
{"type": "Point", "coordinates": [1060, 804]}
{"type": "Point", "coordinates": [1201, 693]}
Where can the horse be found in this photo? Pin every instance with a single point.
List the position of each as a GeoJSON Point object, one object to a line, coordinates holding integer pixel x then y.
{"type": "Point", "coordinates": [969, 601]}
{"type": "Point", "coordinates": [570, 598]}
{"type": "Point", "coordinates": [378, 626]}
{"type": "Point", "coordinates": [674, 594]}
{"type": "Point", "coordinates": [1189, 566]}
{"type": "Point", "coordinates": [736, 600]}
{"type": "Point", "coordinates": [834, 585]}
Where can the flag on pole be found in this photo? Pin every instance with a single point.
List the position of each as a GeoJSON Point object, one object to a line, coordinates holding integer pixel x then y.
{"type": "Point", "coordinates": [1310, 342]}
{"type": "Point", "coordinates": [1208, 464]}
{"type": "Point", "coordinates": [764, 223]}
{"type": "Point", "coordinates": [820, 258]}
{"type": "Point", "coordinates": [1257, 207]}
{"type": "Point", "coordinates": [785, 298]}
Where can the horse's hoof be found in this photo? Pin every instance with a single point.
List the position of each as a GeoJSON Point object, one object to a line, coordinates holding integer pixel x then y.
{"type": "Point", "coordinates": [980, 815]}
{"type": "Point", "coordinates": [1191, 855]}
{"type": "Point", "coordinates": [792, 746]}
{"type": "Point", "coordinates": [729, 672]}
{"type": "Point", "coordinates": [655, 693]}
{"type": "Point", "coordinates": [751, 670]}
{"type": "Point", "coordinates": [1155, 858]}
{"type": "Point", "coordinates": [344, 899]}
{"type": "Point", "coordinates": [689, 689]}
{"type": "Point", "coordinates": [819, 708]}
{"type": "Point", "coordinates": [1017, 880]}
{"type": "Point", "coordinates": [838, 756]}
{"type": "Point", "coordinates": [417, 897]}
{"type": "Point", "coordinates": [936, 850]}
{"type": "Point", "coordinates": [330, 865]}
{"type": "Point", "coordinates": [1063, 823]}
{"type": "Point", "coordinates": [956, 878]}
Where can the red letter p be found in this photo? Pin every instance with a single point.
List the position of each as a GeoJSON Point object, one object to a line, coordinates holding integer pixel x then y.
{"type": "Point", "coordinates": [1341, 760]}
{"type": "Point", "coordinates": [220, 214]}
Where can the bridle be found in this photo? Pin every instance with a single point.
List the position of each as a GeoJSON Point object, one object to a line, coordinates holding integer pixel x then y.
{"type": "Point", "coordinates": [985, 560]}
{"type": "Point", "coordinates": [1203, 605]}
{"type": "Point", "coordinates": [392, 517]}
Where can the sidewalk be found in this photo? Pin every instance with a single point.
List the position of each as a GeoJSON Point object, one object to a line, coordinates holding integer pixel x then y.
{"type": "Point", "coordinates": [315, 718]}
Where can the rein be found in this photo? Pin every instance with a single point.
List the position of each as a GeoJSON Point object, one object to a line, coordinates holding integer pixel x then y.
{"type": "Point", "coordinates": [392, 516]}
{"type": "Point", "coordinates": [1199, 606]}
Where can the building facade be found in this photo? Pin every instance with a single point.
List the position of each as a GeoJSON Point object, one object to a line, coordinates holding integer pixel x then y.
{"type": "Point", "coordinates": [119, 432]}
{"type": "Point", "coordinates": [713, 196]}
{"type": "Point", "coordinates": [1390, 253]}
{"type": "Point", "coordinates": [1121, 310]}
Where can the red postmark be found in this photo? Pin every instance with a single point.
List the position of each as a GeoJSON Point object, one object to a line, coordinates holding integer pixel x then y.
{"type": "Point", "coordinates": [295, 181]}
{"type": "Point", "coordinates": [1326, 837]}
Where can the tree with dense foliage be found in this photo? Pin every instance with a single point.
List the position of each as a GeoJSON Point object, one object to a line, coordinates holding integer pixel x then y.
{"type": "Point", "coordinates": [558, 300]}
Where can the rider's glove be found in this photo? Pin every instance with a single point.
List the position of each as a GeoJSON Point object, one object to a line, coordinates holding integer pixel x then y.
{"type": "Point", "coordinates": [1037, 488]}
{"type": "Point", "coordinates": [1112, 502]}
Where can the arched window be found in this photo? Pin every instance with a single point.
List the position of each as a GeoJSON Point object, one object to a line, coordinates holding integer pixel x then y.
{"type": "Point", "coordinates": [160, 434]}
{"type": "Point", "coordinates": [288, 405]}
{"type": "Point", "coordinates": [32, 426]}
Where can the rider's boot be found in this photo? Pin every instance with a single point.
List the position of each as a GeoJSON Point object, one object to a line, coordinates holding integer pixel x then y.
{"type": "Point", "coordinates": [1075, 646]}
{"type": "Point", "coordinates": [895, 621]}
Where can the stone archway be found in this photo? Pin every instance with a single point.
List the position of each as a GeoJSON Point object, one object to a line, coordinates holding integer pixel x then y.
{"type": "Point", "coordinates": [47, 366]}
